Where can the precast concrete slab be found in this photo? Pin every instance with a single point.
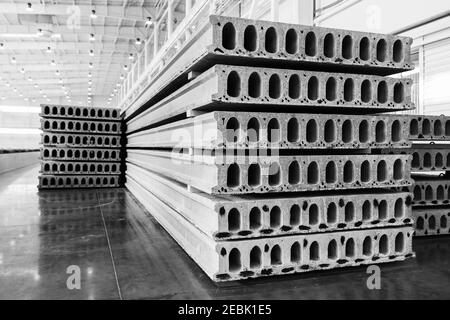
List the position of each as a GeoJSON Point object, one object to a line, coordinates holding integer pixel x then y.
{"type": "Point", "coordinates": [77, 112]}
{"type": "Point", "coordinates": [102, 155]}
{"type": "Point", "coordinates": [83, 168]}
{"type": "Point", "coordinates": [240, 217]}
{"type": "Point", "coordinates": [429, 128]}
{"type": "Point", "coordinates": [251, 130]}
{"type": "Point", "coordinates": [431, 190]}
{"type": "Point", "coordinates": [229, 174]}
{"type": "Point", "coordinates": [236, 41]}
{"type": "Point", "coordinates": [78, 181]}
{"type": "Point", "coordinates": [67, 140]}
{"type": "Point", "coordinates": [432, 221]}
{"type": "Point", "coordinates": [430, 157]}
{"type": "Point", "coordinates": [233, 88]}
{"type": "Point", "coordinates": [262, 257]}
{"type": "Point", "coordinates": [76, 126]}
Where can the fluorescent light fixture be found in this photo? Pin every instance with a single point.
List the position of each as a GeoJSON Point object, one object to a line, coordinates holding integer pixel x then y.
{"type": "Point", "coordinates": [8, 84]}
{"type": "Point", "coordinates": [29, 79]}
{"type": "Point", "coordinates": [22, 70]}
{"type": "Point", "coordinates": [91, 65]}
{"type": "Point", "coordinates": [125, 67]}
{"type": "Point", "coordinates": [93, 14]}
{"type": "Point", "coordinates": [49, 50]}
{"type": "Point", "coordinates": [40, 33]}
{"type": "Point", "coordinates": [92, 37]}
{"type": "Point", "coordinates": [36, 86]}
{"type": "Point", "coordinates": [21, 94]}
{"type": "Point", "coordinates": [91, 53]}
{"type": "Point", "coordinates": [138, 41]}
{"type": "Point", "coordinates": [57, 72]}
{"type": "Point", "coordinates": [60, 80]}
{"type": "Point", "coordinates": [131, 57]}
{"type": "Point", "coordinates": [29, 7]}
{"type": "Point", "coordinates": [148, 22]}
{"type": "Point", "coordinates": [15, 89]}
{"type": "Point", "coordinates": [90, 75]}
{"type": "Point", "coordinates": [2, 46]}
{"type": "Point", "coordinates": [53, 63]}
{"type": "Point", "coordinates": [13, 60]}
{"type": "Point", "coordinates": [121, 77]}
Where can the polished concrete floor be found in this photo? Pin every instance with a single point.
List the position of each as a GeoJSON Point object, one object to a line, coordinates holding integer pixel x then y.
{"type": "Point", "coordinates": [122, 253]}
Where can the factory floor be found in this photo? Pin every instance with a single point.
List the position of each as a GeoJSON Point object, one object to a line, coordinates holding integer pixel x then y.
{"type": "Point", "coordinates": [122, 252]}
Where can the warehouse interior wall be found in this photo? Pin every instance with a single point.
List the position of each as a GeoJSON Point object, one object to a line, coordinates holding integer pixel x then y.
{"type": "Point", "coordinates": [427, 22]}
{"type": "Point", "coordinates": [19, 127]}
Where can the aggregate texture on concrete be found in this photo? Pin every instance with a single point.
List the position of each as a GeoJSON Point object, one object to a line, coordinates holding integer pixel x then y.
{"type": "Point", "coordinates": [244, 130]}
{"type": "Point", "coordinates": [62, 140]}
{"type": "Point", "coordinates": [432, 221]}
{"type": "Point", "coordinates": [431, 191]}
{"type": "Point", "coordinates": [429, 128]}
{"type": "Point", "coordinates": [76, 126]}
{"type": "Point", "coordinates": [261, 257]}
{"type": "Point", "coordinates": [77, 112]}
{"type": "Point", "coordinates": [244, 217]}
{"type": "Point", "coordinates": [233, 88]}
{"type": "Point", "coordinates": [239, 41]}
{"type": "Point", "coordinates": [85, 154]}
{"type": "Point", "coordinates": [78, 181]}
{"type": "Point", "coordinates": [230, 174]}
{"type": "Point", "coordinates": [83, 168]}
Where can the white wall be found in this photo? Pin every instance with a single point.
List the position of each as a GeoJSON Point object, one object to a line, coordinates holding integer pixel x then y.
{"type": "Point", "coordinates": [383, 16]}
{"type": "Point", "coordinates": [19, 127]}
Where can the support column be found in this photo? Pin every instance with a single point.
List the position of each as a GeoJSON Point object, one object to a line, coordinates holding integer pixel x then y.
{"type": "Point", "coordinates": [169, 18]}
{"type": "Point", "coordinates": [188, 7]}
{"type": "Point", "coordinates": [304, 12]}
{"type": "Point", "coordinates": [155, 39]}
{"type": "Point", "coordinates": [421, 107]}
{"type": "Point", "coordinates": [275, 10]}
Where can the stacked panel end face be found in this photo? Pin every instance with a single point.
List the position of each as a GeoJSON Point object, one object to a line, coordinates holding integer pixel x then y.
{"type": "Point", "coordinates": [431, 166]}
{"type": "Point", "coordinates": [80, 147]}
{"type": "Point", "coordinates": [262, 154]}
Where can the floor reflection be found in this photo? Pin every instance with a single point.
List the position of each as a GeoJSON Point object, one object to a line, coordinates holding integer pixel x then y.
{"type": "Point", "coordinates": [43, 233]}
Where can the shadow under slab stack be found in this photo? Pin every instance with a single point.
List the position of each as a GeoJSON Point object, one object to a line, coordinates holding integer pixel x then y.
{"type": "Point", "coordinates": [81, 147]}
{"type": "Point", "coordinates": [259, 148]}
{"type": "Point", "coordinates": [431, 168]}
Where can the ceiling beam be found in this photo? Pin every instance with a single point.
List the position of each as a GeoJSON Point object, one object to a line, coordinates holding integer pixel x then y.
{"type": "Point", "coordinates": [70, 46]}
{"type": "Point", "coordinates": [131, 13]}
{"type": "Point", "coordinates": [15, 31]}
{"type": "Point", "coordinates": [62, 58]}
{"type": "Point", "coordinates": [61, 67]}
